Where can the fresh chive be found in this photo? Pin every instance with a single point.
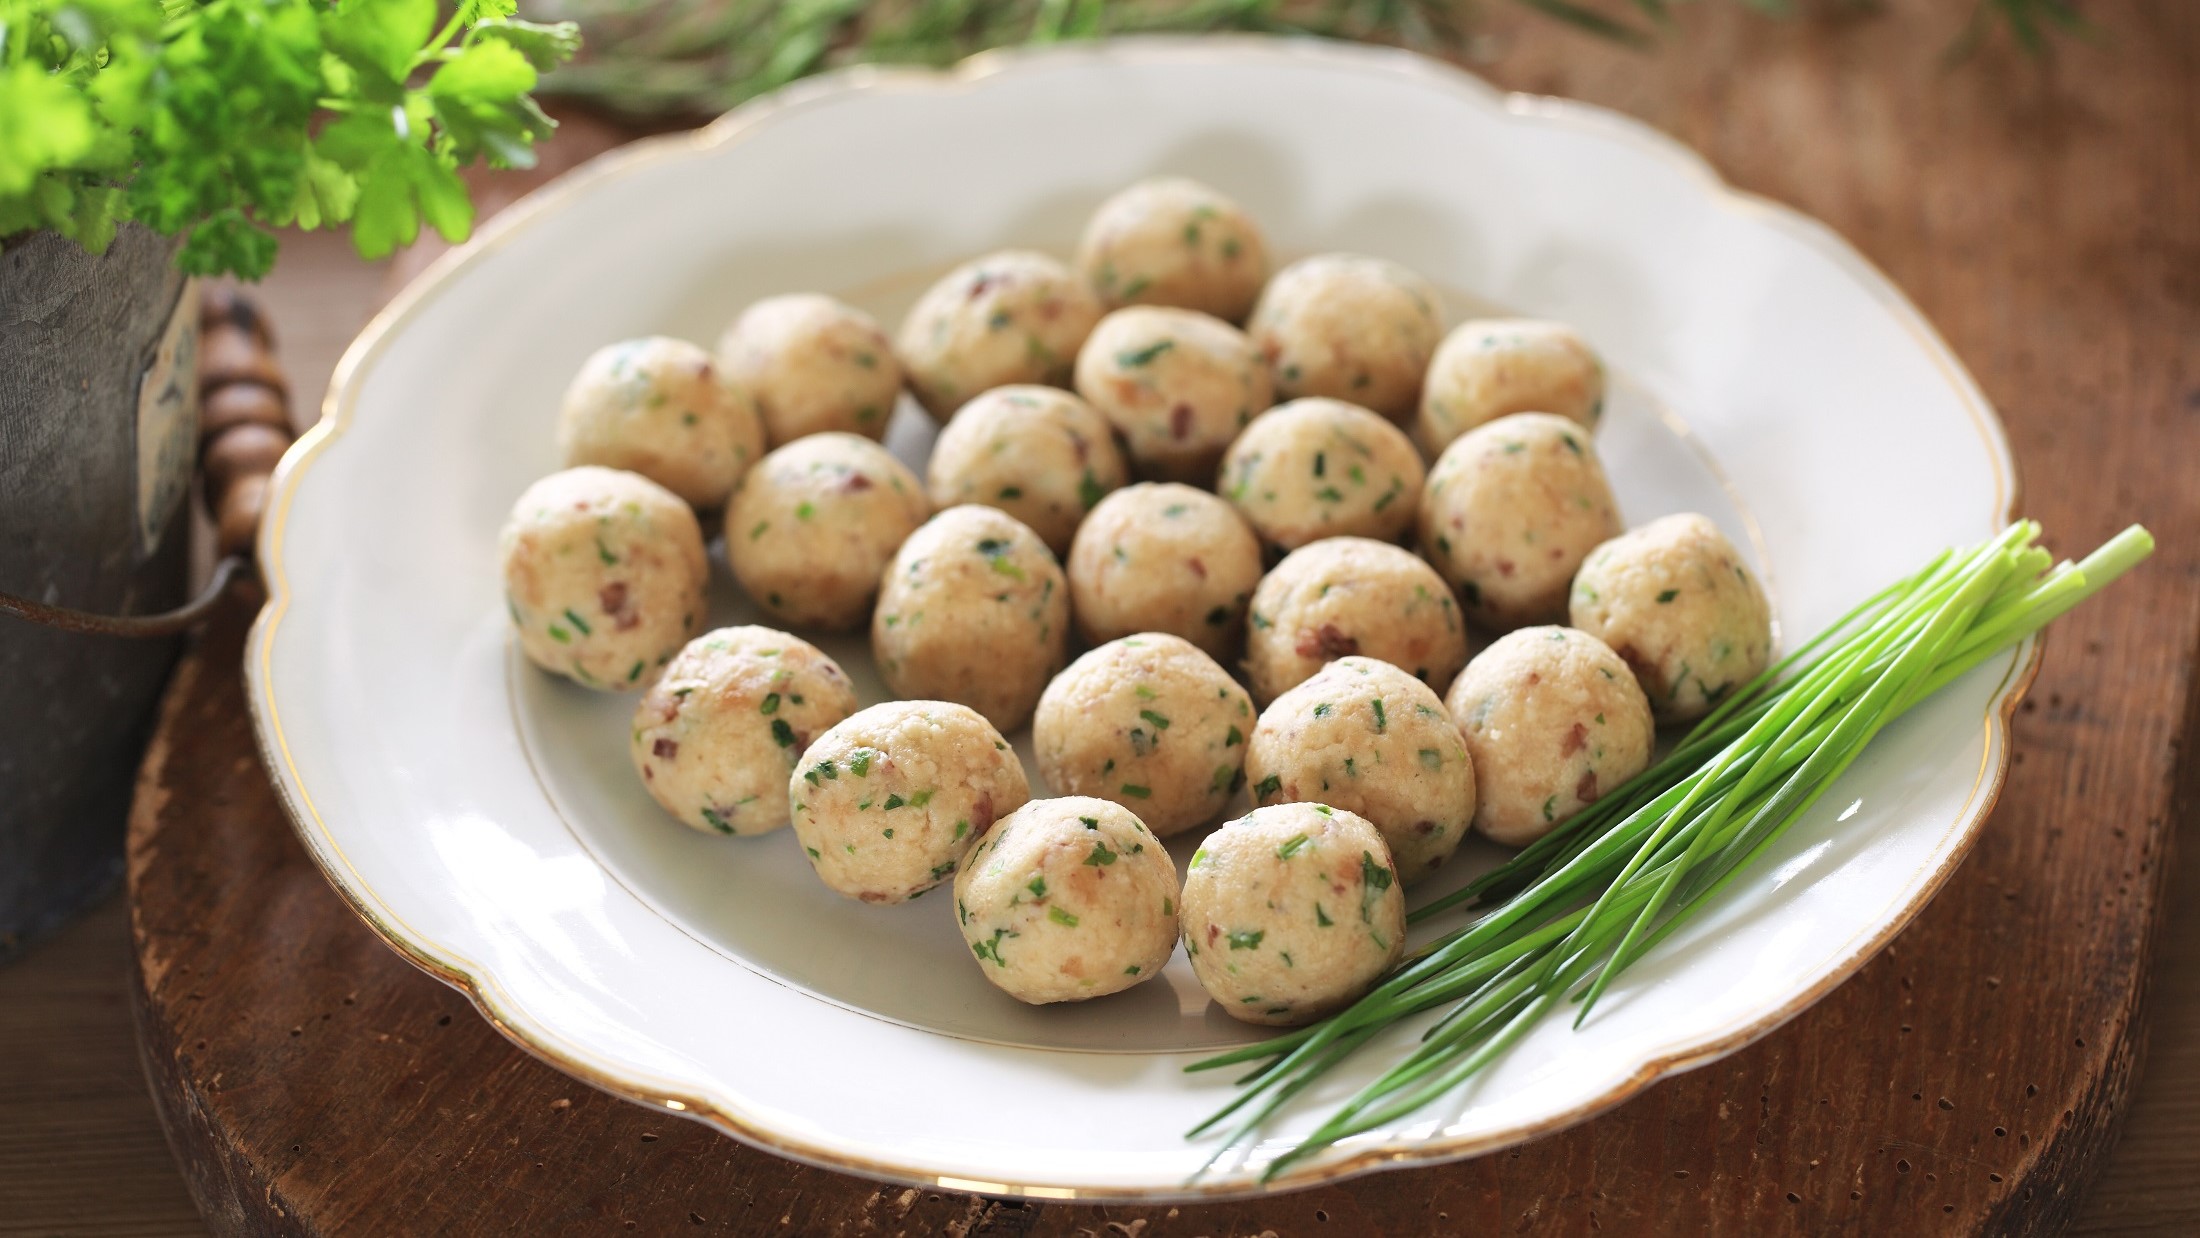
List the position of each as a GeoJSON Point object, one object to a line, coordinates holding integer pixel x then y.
{"type": "Point", "coordinates": [1291, 847]}
{"type": "Point", "coordinates": [1135, 357]}
{"type": "Point", "coordinates": [1135, 791]}
{"type": "Point", "coordinates": [1574, 909]}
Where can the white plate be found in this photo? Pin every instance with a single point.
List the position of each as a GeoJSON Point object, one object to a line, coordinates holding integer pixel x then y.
{"type": "Point", "coordinates": [484, 819]}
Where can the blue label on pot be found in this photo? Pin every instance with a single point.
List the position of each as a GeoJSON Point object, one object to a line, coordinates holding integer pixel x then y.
{"type": "Point", "coordinates": [168, 422]}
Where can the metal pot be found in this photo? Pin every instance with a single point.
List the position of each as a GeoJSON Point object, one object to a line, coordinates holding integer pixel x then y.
{"type": "Point", "coordinates": [98, 438]}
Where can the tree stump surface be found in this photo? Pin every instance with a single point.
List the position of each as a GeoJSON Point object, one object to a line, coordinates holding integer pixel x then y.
{"type": "Point", "coordinates": [2045, 215]}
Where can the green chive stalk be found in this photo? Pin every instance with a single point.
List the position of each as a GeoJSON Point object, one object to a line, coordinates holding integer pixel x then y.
{"type": "Point", "coordinates": [1569, 913]}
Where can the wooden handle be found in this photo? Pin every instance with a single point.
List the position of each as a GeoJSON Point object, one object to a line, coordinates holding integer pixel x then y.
{"type": "Point", "coordinates": [244, 414]}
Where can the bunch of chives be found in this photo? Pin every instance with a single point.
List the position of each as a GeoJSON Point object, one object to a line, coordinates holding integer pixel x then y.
{"type": "Point", "coordinates": [1573, 910]}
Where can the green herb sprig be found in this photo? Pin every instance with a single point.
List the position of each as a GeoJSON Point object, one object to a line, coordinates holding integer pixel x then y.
{"type": "Point", "coordinates": [700, 57]}
{"type": "Point", "coordinates": [220, 120]}
{"type": "Point", "coordinates": [1568, 914]}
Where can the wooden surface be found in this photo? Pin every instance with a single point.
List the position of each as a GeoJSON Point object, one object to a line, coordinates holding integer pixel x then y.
{"type": "Point", "coordinates": [2048, 219]}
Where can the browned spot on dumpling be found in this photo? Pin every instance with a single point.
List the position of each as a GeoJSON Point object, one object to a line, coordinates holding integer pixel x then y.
{"type": "Point", "coordinates": [1576, 740]}
{"type": "Point", "coordinates": [1586, 789]}
{"type": "Point", "coordinates": [614, 598]}
{"type": "Point", "coordinates": [1327, 641]}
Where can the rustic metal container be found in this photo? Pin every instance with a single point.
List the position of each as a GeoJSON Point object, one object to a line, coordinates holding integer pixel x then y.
{"type": "Point", "coordinates": [98, 436]}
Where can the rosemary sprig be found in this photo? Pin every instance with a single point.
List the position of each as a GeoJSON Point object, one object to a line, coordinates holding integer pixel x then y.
{"type": "Point", "coordinates": [698, 57]}
{"type": "Point", "coordinates": [1567, 915]}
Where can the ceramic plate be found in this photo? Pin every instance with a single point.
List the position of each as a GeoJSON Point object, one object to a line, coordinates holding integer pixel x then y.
{"type": "Point", "coordinates": [483, 817]}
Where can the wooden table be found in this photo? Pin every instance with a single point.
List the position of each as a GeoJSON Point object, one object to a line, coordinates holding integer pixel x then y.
{"type": "Point", "coordinates": [2046, 217]}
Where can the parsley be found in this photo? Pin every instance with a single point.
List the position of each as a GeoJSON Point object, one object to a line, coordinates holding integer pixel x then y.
{"type": "Point", "coordinates": [992, 949]}
{"type": "Point", "coordinates": [1100, 857]}
{"type": "Point", "coordinates": [782, 733]}
{"type": "Point", "coordinates": [1135, 791]}
{"type": "Point", "coordinates": [1268, 786]}
{"type": "Point", "coordinates": [1247, 939]}
{"type": "Point", "coordinates": [1291, 847]}
{"type": "Point", "coordinates": [1374, 879]}
{"type": "Point", "coordinates": [222, 120]}
{"type": "Point", "coordinates": [1135, 357]}
{"type": "Point", "coordinates": [1160, 723]}
{"type": "Point", "coordinates": [1061, 917]}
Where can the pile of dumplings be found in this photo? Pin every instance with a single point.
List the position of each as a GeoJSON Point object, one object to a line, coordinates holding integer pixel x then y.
{"type": "Point", "coordinates": [1264, 511]}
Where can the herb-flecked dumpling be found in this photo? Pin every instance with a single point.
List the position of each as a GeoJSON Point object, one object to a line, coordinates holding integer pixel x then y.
{"type": "Point", "coordinates": [604, 573]}
{"type": "Point", "coordinates": [1291, 912]}
{"type": "Point", "coordinates": [1068, 899]}
{"type": "Point", "coordinates": [973, 609]}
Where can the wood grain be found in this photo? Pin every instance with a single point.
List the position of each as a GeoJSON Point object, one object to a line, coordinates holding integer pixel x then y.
{"type": "Point", "coordinates": [2047, 217]}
